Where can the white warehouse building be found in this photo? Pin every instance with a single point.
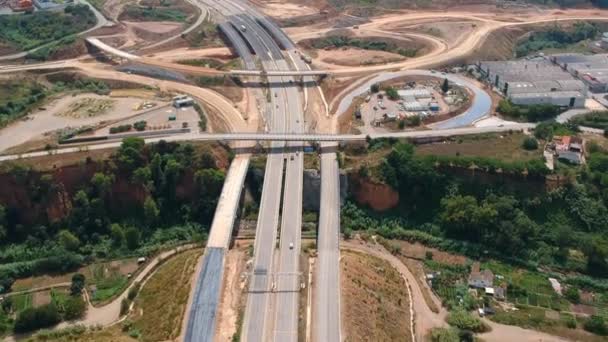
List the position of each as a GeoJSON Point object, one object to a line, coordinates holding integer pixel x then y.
{"type": "Point", "coordinates": [573, 99]}
{"type": "Point", "coordinates": [537, 81]}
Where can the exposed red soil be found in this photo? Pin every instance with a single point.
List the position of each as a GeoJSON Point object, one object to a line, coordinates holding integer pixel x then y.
{"type": "Point", "coordinates": [376, 195]}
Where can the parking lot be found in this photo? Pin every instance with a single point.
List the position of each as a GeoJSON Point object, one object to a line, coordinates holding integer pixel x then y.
{"type": "Point", "coordinates": [379, 113]}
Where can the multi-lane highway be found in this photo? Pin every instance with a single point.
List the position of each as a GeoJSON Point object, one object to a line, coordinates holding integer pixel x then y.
{"type": "Point", "coordinates": [326, 304]}
{"type": "Point", "coordinates": [284, 99]}
{"type": "Point", "coordinates": [203, 313]}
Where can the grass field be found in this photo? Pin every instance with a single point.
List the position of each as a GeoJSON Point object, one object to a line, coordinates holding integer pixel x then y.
{"type": "Point", "coordinates": [375, 302]}
{"type": "Point", "coordinates": [506, 147]}
{"type": "Point", "coordinates": [111, 334]}
{"type": "Point", "coordinates": [161, 302]}
{"type": "Point", "coordinates": [155, 14]}
{"type": "Point", "coordinates": [549, 321]}
{"type": "Point", "coordinates": [22, 302]}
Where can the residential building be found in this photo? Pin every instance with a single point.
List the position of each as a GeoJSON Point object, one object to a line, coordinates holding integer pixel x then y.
{"type": "Point", "coordinates": [568, 148]}
{"type": "Point", "coordinates": [481, 280]}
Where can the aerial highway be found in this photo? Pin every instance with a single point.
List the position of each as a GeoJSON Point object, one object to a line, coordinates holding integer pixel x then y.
{"type": "Point", "coordinates": [283, 100]}
{"type": "Point", "coordinates": [326, 304]}
{"type": "Point", "coordinates": [203, 312]}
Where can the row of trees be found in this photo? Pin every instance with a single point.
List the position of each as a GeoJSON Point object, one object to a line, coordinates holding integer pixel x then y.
{"type": "Point", "coordinates": [30, 30]}
{"type": "Point", "coordinates": [557, 37]}
{"type": "Point", "coordinates": [542, 226]}
{"type": "Point", "coordinates": [379, 45]}
{"type": "Point", "coordinates": [143, 196]}
{"type": "Point", "coordinates": [531, 113]}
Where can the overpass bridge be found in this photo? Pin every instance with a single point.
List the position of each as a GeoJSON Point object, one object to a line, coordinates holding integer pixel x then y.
{"type": "Point", "coordinates": [98, 44]}
{"type": "Point", "coordinates": [311, 137]}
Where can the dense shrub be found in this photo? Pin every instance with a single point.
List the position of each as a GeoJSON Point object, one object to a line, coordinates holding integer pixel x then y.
{"type": "Point", "coordinates": [531, 113]}
{"type": "Point", "coordinates": [597, 325]}
{"type": "Point", "coordinates": [36, 318]}
{"type": "Point", "coordinates": [556, 37]}
{"type": "Point", "coordinates": [465, 321]}
{"type": "Point", "coordinates": [530, 144]}
{"type": "Point", "coordinates": [341, 41]}
{"type": "Point", "coordinates": [594, 119]}
{"type": "Point", "coordinates": [120, 129]}
{"type": "Point", "coordinates": [30, 30]}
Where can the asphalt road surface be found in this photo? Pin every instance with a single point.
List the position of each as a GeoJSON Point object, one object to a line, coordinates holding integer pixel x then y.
{"type": "Point", "coordinates": [326, 305]}
{"type": "Point", "coordinates": [203, 313]}
{"type": "Point", "coordinates": [283, 100]}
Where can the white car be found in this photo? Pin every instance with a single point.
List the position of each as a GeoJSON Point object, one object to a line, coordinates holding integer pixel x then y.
{"type": "Point", "coordinates": [291, 245]}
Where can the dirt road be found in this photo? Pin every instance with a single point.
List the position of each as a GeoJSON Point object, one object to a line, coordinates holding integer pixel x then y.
{"type": "Point", "coordinates": [50, 118]}
{"type": "Point", "coordinates": [485, 24]}
{"type": "Point", "coordinates": [109, 314]}
{"type": "Point", "coordinates": [427, 319]}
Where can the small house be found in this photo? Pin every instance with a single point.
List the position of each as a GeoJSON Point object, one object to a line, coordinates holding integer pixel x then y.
{"type": "Point", "coordinates": [569, 149]}
{"type": "Point", "coordinates": [481, 279]}
{"type": "Point", "coordinates": [500, 293]}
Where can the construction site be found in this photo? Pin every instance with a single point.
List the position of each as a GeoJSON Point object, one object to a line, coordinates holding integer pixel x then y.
{"type": "Point", "coordinates": [289, 170]}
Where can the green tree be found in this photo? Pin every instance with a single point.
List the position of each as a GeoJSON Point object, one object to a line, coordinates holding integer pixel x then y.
{"type": "Point", "coordinates": [207, 161]}
{"type": "Point", "coordinates": [2, 224]}
{"type": "Point", "coordinates": [143, 176]}
{"type": "Point", "coordinates": [68, 240]}
{"type": "Point", "coordinates": [597, 256]}
{"type": "Point", "coordinates": [444, 335]}
{"type": "Point", "coordinates": [463, 218]}
{"type": "Point", "coordinates": [130, 154]}
{"type": "Point", "coordinates": [117, 234]}
{"type": "Point", "coordinates": [596, 325]}
{"type": "Point", "coordinates": [81, 212]}
{"type": "Point", "coordinates": [209, 184]}
{"type": "Point", "coordinates": [374, 88]}
{"type": "Point", "coordinates": [465, 321]}
{"type": "Point", "coordinates": [124, 306]}
{"type": "Point", "coordinates": [151, 212]}
{"type": "Point", "coordinates": [140, 125]}
{"type": "Point", "coordinates": [7, 304]}
{"type": "Point", "coordinates": [74, 308]}
{"type": "Point", "coordinates": [392, 93]}
{"type": "Point", "coordinates": [132, 238]}
{"type": "Point", "coordinates": [571, 293]}
{"type": "Point", "coordinates": [102, 183]}
{"type": "Point", "coordinates": [530, 144]}
{"type": "Point", "coordinates": [36, 318]}
{"type": "Point", "coordinates": [445, 86]}
{"type": "Point", "coordinates": [78, 281]}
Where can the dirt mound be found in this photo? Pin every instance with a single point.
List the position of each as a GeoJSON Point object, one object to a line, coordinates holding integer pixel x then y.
{"type": "Point", "coordinates": [357, 57]}
{"type": "Point", "coordinates": [499, 45]}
